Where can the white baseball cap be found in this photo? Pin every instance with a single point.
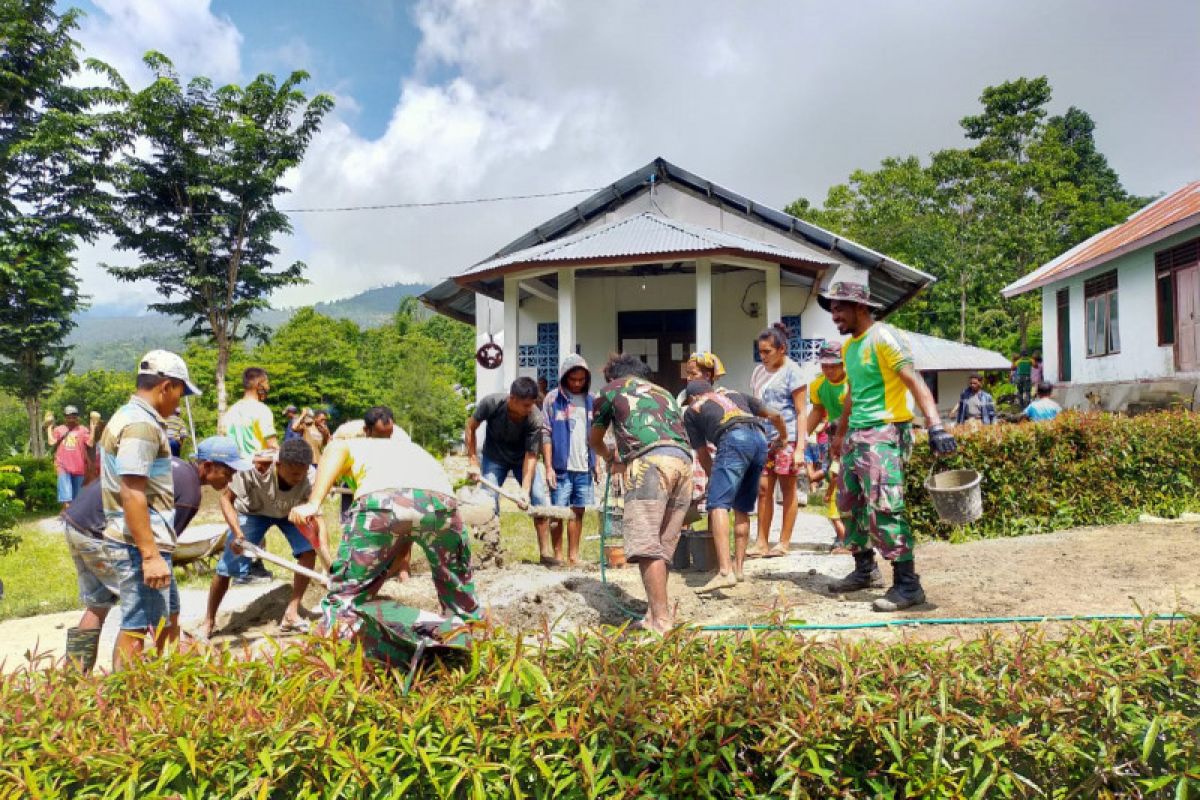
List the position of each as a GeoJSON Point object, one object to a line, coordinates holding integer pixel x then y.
{"type": "Point", "coordinates": [168, 365]}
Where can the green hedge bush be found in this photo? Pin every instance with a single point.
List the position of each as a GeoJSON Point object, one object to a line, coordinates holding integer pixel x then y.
{"type": "Point", "coordinates": [39, 489]}
{"type": "Point", "coordinates": [1079, 469]}
{"type": "Point", "coordinates": [1090, 711]}
{"type": "Point", "coordinates": [10, 507]}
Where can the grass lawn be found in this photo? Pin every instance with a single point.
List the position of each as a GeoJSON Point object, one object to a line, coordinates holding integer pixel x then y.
{"type": "Point", "coordinates": [39, 576]}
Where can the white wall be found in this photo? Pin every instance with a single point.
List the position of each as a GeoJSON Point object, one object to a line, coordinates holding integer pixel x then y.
{"type": "Point", "coordinates": [1141, 357]}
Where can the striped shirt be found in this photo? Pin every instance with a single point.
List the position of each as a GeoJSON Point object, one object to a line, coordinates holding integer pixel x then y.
{"type": "Point", "coordinates": [135, 443]}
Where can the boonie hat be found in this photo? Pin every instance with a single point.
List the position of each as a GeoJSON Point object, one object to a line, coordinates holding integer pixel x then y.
{"type": "Point", "coordinates": [830, 353]}
{"type": "Point", "coordinates": [71, 411]}
{"type": "Point", "coordinates": [222, 450]}
{"type": "Point", "coordinates": [168, 365]}
{"type": "Point", "coordinates": [847, 292]}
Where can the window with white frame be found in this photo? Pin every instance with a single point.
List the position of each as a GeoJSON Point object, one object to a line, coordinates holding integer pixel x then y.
{"type": "Point", "coordinates": [1100, 315]}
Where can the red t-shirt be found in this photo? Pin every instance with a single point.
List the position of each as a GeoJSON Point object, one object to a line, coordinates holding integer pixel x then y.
{"type": "Point", "coordinates": [71, 455]}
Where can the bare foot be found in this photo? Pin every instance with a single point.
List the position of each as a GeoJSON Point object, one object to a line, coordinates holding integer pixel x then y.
{"type": "Point", "coordinates": [204, 630]}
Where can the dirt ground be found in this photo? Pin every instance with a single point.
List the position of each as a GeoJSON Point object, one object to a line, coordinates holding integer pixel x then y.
{"type": "Point", "coordinates": [1119, 569]}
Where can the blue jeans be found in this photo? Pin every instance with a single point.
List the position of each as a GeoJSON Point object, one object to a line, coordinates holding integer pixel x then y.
{"type": "Point", "coordinates": [142, 608]}
{"type": "Point", "coordinates": [255, 528]}
{"type": "Point", "coordinates": [574, 489]}
{"type": "Point", "coordinates": [497, 473]}
{"type": "Point", "coordinates": [69, 486]}
{"type": "Point", "coordinates": [741, 456]}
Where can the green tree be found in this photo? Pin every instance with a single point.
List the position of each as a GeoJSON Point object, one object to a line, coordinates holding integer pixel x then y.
{"type": "Point", "coordinates": [1028, 187]}
{"type": "Point", "coordinates": [199, 207]}
{"type": "Point", "coordinates": [54, 147]}
{"type": "Point", "coordinates": [313, 361]}
{"type": "Point", "coordinates": [100, 390]}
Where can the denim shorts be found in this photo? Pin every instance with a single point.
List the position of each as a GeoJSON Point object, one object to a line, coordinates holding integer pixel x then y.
{"type": "Point", "coordinates": [255, 528]}
{"type": "Point", "coordinates": [574, 489]}
{"type": "Point", "coordinates": [69, 486]}
{"type": "Point", "coordinates": [142, 608]}
{"type": "Point", "coordinates": [99, 586]}
{"type": "Point", "coordinates": [741, 454]}
{"type": "Point", "coordinates": [497, 473]}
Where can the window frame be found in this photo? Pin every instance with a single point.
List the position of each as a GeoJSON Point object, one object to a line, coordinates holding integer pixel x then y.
{"type": "Point", "coordinates": [1101, 315]}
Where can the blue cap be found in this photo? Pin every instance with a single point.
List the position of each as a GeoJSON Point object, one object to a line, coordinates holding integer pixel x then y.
{"type": "Point", "coordinates": [222, 450]}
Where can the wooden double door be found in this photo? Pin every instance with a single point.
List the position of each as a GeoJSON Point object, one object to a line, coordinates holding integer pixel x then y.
{"type": "Point", "coordinates": [1187, 319]}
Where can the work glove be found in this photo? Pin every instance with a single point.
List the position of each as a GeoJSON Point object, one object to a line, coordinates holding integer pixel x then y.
{"type": "Point", "coordinates": [941, 442]}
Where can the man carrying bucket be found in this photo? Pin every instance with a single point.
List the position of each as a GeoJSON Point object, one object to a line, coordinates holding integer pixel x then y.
{"type": "Point", "coordinates": [874, 441]}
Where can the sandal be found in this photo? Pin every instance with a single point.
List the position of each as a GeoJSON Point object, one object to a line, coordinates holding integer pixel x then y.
{"type": "Point", "coordinates": [756, 554]}
{"type": "Point", "coordinates": [775, 552]}
{"type": "Point", "coordinates": [295, 626]}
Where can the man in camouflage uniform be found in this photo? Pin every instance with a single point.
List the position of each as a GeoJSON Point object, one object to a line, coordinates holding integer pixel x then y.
{"type": "Point", "coordinates": [655, 460]}
{"type": "Point", "coordinates": [402, 496]}
{"type": "Point", "coordinates": [874, 440]}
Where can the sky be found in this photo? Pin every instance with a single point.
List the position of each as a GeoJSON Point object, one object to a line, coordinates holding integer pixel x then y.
{"type": "Point", "coordinates": [457, 99]}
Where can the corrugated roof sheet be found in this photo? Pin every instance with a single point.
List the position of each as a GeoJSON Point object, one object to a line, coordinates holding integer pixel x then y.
{"type": "Point", "coordinates": [933, 353]}
{"type": "Point", "coordinates": [646, 234]}
{"type": "Point", "coordinates": [1161, 217]}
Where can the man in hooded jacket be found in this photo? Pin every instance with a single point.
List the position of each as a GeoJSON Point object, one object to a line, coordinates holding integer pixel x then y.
{"type": "Point", "coordinates": [570, 462]}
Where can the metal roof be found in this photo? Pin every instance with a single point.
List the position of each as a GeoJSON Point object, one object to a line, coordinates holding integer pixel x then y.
{"type": "Point", "coordinates": [933, 354]}
{"type": "Point", "coordinates": [1162, 218]}
{"type": "Point", "coordinates": [892, 282]}
{"type": "Point", "coordinates": [645, 235]}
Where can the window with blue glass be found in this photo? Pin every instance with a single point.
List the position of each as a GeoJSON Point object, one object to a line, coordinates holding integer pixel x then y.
{"type": "Point", "coordinates": [799, 348]}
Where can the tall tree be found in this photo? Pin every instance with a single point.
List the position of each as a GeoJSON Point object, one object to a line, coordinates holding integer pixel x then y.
{"type": "Point", "coordinates": [54, 148]}
{"type": "Point", "coordinates": [1027, 187]}
{"type": "Point", "coordinates": [198, 204]}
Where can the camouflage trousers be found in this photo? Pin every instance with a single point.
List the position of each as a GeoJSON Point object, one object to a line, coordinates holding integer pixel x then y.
{"type": "Point", "coordinates": [372, 538]}
{"type": "Point", "coordinates": [870, 494]}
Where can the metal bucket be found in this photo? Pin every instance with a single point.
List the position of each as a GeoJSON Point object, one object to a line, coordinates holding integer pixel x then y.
{"type": "Point", "coordinates": [956, 495]}
{"type": "Point", "coordinates": [703, 551]}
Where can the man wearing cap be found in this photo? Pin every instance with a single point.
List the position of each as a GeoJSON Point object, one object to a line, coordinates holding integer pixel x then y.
{"type": "Point", "coordinates": [71, 442]}
{"type": "Point", "coordinates": [828, 393]}
{"type": "Point", "coordinates": [874, 441]}
{"type": "Point", "coordinates": [217, 459]}
{"type": "Point", "coordinates": [139, 504]}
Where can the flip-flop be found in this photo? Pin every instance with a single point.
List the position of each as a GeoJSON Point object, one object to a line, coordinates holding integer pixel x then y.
{"type": "Point", "coordinates": [295, 626]}
{"type": "Point", "coordinates": [750, 554]}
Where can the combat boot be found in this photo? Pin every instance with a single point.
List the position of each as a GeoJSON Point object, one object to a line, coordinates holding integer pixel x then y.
{"type": "Point", "coordinates": [865, 575]}
{"type": "Point", "coordinates": [906, 589]}
{"type": "Point", "coordinates": [82, 646]}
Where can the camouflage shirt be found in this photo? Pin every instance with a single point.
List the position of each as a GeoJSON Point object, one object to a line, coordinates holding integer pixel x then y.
{"type": "Point", "coordinates": [643, 416]}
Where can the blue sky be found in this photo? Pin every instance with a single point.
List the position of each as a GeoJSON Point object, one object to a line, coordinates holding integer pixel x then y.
{"type": "Point", "coordinates": [452, 99]}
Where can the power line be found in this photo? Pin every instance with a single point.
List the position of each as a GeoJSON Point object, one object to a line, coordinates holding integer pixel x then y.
{"type": "Point", "coordinates": [435, 203]}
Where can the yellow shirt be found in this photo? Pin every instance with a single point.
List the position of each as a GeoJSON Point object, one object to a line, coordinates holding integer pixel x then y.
{"type": "Point", "coordinates": [381, 465]}
{"type": "Point", "coordinates": [873, 362]}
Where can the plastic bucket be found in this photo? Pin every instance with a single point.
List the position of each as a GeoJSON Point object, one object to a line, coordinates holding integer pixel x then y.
{"type": "Point", "coordinates": [956, 495]}
{"type": "Point", "coordinates": [703, 551]}
{"type": "Point", "coordinates": [683, 553]}
{"type": "Point", "coordinates": [614, 555]}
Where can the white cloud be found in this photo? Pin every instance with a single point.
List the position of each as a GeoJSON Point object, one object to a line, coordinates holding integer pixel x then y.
{"type": "Point", "coordinates": [196, 40]}
{"type": "Point", "coordinates": [774, 100]}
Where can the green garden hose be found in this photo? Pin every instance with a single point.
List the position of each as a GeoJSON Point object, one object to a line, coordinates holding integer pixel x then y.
{"type": "Point", "coordinates": [605, 529]}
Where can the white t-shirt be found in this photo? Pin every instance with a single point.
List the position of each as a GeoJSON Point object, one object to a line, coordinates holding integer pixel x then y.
{"type": "Point", "coordinates": [251, 424]}
{"type": "Point", "coordinates": [390, 464]}
{"type": "Point", "coordinates": [775, 390]}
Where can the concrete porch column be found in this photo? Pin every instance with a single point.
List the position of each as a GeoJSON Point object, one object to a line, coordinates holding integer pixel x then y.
{"type": "Point", "coordinates": [774, 297]}
{"type": "Point", "coordinates": [512, 334]}
{"type": "Point", "coordinates": [703, 304]}
{"type": "Point", "coordinates": [566, 314]}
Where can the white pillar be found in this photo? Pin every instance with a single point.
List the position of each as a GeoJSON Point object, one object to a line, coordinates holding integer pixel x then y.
{"type": "Point", "coordinates": [512, 335]}
{"type": "Point", "coordinates": [703, 304]}
{"type": "Point", "coordinates": [774, 301]}
{"type": "Point", "coordinates": [566, 314]}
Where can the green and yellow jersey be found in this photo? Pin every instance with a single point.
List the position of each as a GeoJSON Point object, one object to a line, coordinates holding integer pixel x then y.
{"type": "Point", "coordinates": [873, 362]}
{"type": "Point", "coordinates": [829, 396]}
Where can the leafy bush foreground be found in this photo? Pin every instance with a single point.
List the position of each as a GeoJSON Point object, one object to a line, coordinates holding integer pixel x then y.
{"type": "Point", "coordinates": [1090, 711]}
{"type": "Point", "coordinates": [1079, 469]}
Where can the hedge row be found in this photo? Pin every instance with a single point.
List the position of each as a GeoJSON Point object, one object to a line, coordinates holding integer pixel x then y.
{"type": "Point", "coordinates": [39, 488]}
{"type": "Point", "coordinates": [1079, 469]}
{"type": "Point", "coordinates": [1093, 711]}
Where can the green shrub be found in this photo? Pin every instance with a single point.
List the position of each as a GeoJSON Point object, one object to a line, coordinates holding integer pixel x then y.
{"type": "Point", "coordinates": [1091, 711]}
{"type": "Point", "coordinates": [1079, 469]}
{"type": "Point", "coordinates": [10, 507]}
{"type": "Point", "coordinates": [39, 488]}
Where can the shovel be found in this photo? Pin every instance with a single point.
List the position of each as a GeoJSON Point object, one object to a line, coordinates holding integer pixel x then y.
{"type": "Point", "coordinates": [537, 512]}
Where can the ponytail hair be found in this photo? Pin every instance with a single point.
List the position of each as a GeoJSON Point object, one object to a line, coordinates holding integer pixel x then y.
{"type": "Point", "coordinates": [777, 335]}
